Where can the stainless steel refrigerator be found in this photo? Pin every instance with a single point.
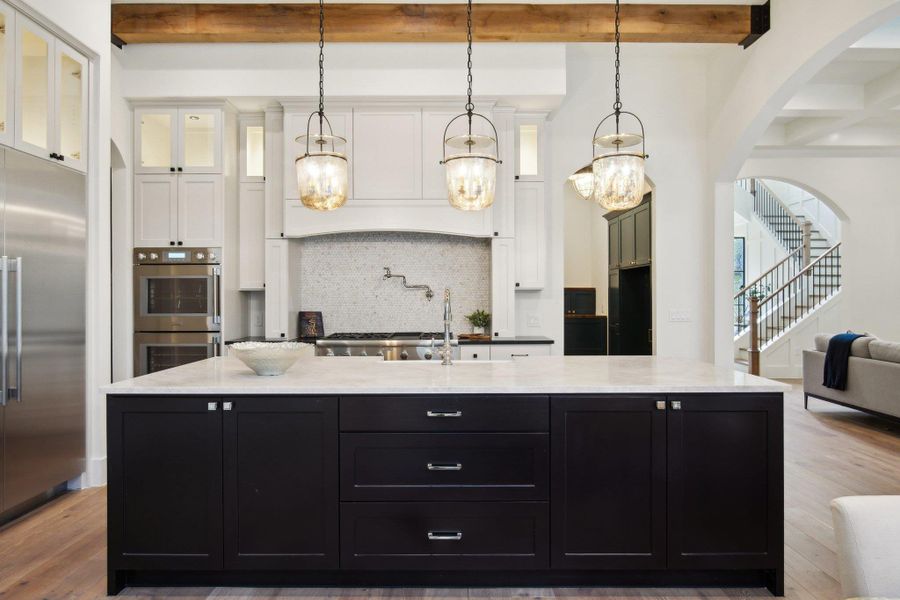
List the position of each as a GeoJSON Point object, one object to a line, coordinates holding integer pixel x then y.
{"type": "Point", "coordinates": [42, 318]}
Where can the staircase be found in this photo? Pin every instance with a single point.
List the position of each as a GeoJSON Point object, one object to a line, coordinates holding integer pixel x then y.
{"type": "Point", "coordinates": [771, 305]}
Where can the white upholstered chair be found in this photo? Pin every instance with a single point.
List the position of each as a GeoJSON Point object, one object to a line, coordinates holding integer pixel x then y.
{"type": "Point", "coordinates": [868, 541]}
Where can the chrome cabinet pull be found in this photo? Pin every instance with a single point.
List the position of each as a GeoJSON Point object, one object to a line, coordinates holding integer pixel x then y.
{"type": "Point", "coordinates": [445, 466]}
{"type": "Point", "coordinates": [212, 405]}
{"type": "Point", "coordinates": [440, 414]}
{"type": "Point", "coordinates": [660, 405]}
{"type": "Point", "coordinates": [226, 406]}
{"type": "Point", "coordinates": [676, 405]}
{"type": "Point", "coordinates": [518, 355]}
{"type": "Point", "coordinates": [445, 536]}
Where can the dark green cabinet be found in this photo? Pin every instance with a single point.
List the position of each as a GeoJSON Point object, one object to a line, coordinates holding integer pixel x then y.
{"type": "Point", "coordinates": [642, 238]}
{"type": "Point", "coordinates": [630, 237]}
{"type": "Point", "coordinates": [615, 254]}
{"type": "Point", "coordinates": [626, 240]}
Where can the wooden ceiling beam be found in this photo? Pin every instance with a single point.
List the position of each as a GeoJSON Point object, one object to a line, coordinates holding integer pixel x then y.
{"type": "Point", "coordinates": [186, 23]}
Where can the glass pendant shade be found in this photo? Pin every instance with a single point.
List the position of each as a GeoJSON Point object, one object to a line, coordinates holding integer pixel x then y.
{"type": "Point", "coordinates": [322, 180]}
{"type": "Point", "coordinates": [583, 182]}
{"type": "Point", "coordinates": [471, 180]}
{"type": "Point", "coordinates": [618, 180]}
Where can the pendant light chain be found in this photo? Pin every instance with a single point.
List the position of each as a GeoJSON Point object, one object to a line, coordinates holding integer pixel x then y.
{"type": "Point", "coordinates": [321, 64]}
{"type": "Point", "coordinates": [470, 108]}
{"type": "Point", "coordinates": [617, 105]}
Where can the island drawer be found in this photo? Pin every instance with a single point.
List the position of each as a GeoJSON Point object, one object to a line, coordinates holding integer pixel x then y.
{"type": "Point", "coordinates": [444, 466]}
{"type": "Point", "coordinates": [444, 535]}
{"type": "Point", "coordinates": [439, 413]}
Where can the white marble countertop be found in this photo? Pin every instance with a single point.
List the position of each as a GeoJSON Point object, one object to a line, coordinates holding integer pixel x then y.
{"type": "Point", "coordinates": [533, 375]}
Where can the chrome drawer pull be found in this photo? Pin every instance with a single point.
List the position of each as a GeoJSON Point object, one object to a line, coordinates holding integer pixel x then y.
{"type": "Point", "coordinates": [445, 536]}
{"type": "Point", "coordinates": [445, 466]}
{"type": "Point", "coordinates": [441, 413]}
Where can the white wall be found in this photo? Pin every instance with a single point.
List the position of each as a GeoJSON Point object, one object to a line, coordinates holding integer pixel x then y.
{"type": "Point", "coordinates": [666, 86]}
{"type": "Point", "coordinates": [867, 191]}
{"type": "Point", "coordinates": [586, 247]}
{"type": "Point", "coordinates": [86, 25]}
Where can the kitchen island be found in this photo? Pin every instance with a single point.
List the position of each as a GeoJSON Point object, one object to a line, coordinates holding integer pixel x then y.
{"type": "Point", "coordinates": [583, 471]}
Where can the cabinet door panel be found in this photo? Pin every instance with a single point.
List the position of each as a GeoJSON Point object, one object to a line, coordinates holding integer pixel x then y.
{"type": "Point", "coordinates": [615, 249]}
{"type": "Point", "coordinates": [201, 207]}
{"type": "Point", "coordinates": [155, 140]}
{"type": "Point", "coordinates": [642, 235]}
{"type": "Point", "coordinates": [70, 106]}
{"type": "Point", "coordinates": [251, 217]}
{"type": "Point", "coordinates": [281, 483]}
{"type": "Point", "coordinates": [155, 210]}
{"type": "Point", "coordinates": [165, 483]}
{"type": "Point", "coordinates": [34, 85]}
{"type": "Point", "coordinates": [388, 154]}
{"type": "Point", "coordinates": [626, 239]}
{"type": "Point", "coordinates": [200, 140]}
{"type": "Point", "coordinates": [503, 287]}
{"type": "Point", "coordinates": [277, 294]}
{"type": "Point", "coordinates": [531, 253]}
{"type": "Point", "coordinates": [7, 74]}
{"type": "Point", "coordinates": [615, 324]}
{"type": "Point", "coordinates": [725, 482]}
{"type": "Point", "coordinates": [609, 483]}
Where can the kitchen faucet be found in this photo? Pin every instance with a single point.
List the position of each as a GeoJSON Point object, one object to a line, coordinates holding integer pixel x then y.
{"type": "Point", "coordinates": [447, 350]}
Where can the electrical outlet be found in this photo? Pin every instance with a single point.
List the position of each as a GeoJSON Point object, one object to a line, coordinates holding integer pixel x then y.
{"type": "Point", "coordinates": [679, 316]}
{"type": "Point", "coordinates": [534, 320]}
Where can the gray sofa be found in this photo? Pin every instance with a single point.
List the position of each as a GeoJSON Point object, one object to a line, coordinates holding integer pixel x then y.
{"type": "Point", "coordinates": [873, 376]}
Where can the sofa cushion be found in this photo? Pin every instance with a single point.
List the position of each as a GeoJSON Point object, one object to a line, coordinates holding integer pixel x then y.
{"type": "Point", "coordinates": [859, 348]}
{"type": "Point", "coordinates": [886, 351]}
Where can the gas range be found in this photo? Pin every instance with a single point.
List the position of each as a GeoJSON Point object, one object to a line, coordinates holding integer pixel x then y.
{"type": "Point", "coordinates": [400, 345]}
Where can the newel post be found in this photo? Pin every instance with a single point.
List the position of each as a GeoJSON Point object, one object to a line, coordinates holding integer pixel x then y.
{"type": "Point", "coordinates": [754, 335]}
{"type": "Point", "coordinates": [806, 228]}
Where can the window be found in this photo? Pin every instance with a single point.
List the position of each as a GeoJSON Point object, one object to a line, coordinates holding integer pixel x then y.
{"type": "Point", "coordinates": [740, 280]}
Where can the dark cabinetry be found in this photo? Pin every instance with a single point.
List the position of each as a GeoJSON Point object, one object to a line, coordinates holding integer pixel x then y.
{"type": "Point", "coordinates": [580, 301]}
{"type": "Point", "coordinates": [630, 237]}
{"type": "Point", "coordinates": [585, 335]}
{"type": "Point", "coordinates": [630, 281]}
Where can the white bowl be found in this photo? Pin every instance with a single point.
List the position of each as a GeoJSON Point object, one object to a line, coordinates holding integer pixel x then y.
{"type": "Point", "coordinates": [267, 358]}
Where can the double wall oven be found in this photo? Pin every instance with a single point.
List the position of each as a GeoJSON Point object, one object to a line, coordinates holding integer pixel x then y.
{"type": "Point", "coordinates": [177, 312]}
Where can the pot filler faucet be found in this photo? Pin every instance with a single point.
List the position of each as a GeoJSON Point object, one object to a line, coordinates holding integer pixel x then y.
{"type": "Point", "coordinates": [388, 275]}
{"type": "Point", "coordinates": [446, 351]}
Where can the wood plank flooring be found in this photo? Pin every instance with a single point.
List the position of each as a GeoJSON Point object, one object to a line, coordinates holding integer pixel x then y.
{"type": "Point", "coordinates": [58, 551]}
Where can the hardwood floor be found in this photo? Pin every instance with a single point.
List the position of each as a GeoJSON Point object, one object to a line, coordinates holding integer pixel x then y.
{"type": "Point", "coordinates": [59, 550]}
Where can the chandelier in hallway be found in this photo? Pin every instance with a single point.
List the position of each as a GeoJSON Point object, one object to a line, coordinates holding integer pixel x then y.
{"type": "Point", "coordinates": [618, 176]}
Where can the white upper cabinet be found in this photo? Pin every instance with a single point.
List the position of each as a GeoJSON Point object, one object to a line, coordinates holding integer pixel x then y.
{"type": "Point", "coordinates": [201, 209]}
{"type": "Point", "coordinates": [295, 121]}
{"type": "Point", "coordinates": [252, 151]}
{"type": "Point", "coordinates": [503, 291]}
{"type": "Point", "coordinates": [251, 230]}
{"type": "Point", "coordinates": [51, 96]}
{"type": "Point", "coordinates": [275, 165]}
{"type": "Point", "coordinates": [531, 253]}
{"type": "Point", "coordinates": [70, 106]}
{"type": "Point", "coordinates": [7, 73]}
{"type": "Point", "coordinates": [178, 140]}
{"type": "Point", "coordinates": [530, 147]}
{"type": "Point", "coordinates": [387, 148]}
{"type": "Point", "coordinates": [155, 210]}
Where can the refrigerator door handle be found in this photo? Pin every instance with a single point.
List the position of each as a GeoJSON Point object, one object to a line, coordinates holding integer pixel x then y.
{"type": "Point", "coordinates": [18, 389]}
{"type": "Point", "coordinates": [4, 327]}
{"type": "Point", "coordinates": [217, 285]}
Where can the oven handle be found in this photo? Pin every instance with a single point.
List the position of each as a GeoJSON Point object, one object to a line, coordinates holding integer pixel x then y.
{"type": "Point", "coordinates": [215, 344]}
{"type": "Point", "coordinates": [217, 285]}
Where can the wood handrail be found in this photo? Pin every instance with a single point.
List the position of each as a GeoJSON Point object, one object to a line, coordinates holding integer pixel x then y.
{"type": "Point", "coordinates": [767, 273]}
{"type": "Point", "coordinates": [797, 276]}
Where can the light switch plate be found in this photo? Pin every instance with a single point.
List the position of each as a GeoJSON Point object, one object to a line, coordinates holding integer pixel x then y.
{"type": "Point", "coordinates": [534, 320]}
{"type": "Point", "coordinates": [679, 316]}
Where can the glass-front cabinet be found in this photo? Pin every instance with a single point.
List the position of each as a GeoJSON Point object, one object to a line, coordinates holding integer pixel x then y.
{"type": "Point", "coordinates": [51, 95]}
{"type": "Point", "coordinates": [178, 140]}
{"type": "Point", "coordinates": [253, 148]}
{"type": "Point", "coordinates": [7, 73]}
{"type": "Point", "coordinates": [529, 148]}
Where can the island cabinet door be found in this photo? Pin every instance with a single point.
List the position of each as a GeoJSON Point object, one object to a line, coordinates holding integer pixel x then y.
{"type": "Point", "coordinates": [281, 483]}
{"type": "Point", "coordinates": [725, 482]}
{"type": "Point", "coordinates": [608, 497]}
{"type": "Point", "coordinates": [165, 483]}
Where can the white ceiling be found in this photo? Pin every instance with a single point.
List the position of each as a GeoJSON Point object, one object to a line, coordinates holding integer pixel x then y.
{"type": "Point", "coordinates": [851, 107]}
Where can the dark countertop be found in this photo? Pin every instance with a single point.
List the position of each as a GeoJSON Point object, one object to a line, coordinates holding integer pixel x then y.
{"type": "Point", "coordinates": [260, 338]}
{"type": "Point", "coordinates": [519, 339]}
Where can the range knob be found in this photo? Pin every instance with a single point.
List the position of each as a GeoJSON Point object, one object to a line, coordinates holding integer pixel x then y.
{"type": "Point", "coordinates": [347, 352]}
{"type": "Point", "coordinates": [363, 353]}
{"type": "Point", "coordinates": [330, 352]}
{"type": "Point", "coordinates": [142, 256]}
{"type": "Point", "coordinates": [381, 353]}
{"type": "Point", "coordinates": [428, 355]}
{"type": "Point", "coordinates": [404, 355]}
{"type": "Point", "coordinates": [154, 256]}
{"type": "Point", "coordinates": [212, 257]}
{"type": "Point", "coordinates": [200, 255]}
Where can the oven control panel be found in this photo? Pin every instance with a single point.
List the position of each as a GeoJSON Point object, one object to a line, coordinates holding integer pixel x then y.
{"type": "Point", "coordinates": [180, 256]}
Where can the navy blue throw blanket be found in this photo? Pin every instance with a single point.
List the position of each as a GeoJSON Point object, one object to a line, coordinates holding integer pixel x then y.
{"type": "Point", "coordinates": [837, 360]}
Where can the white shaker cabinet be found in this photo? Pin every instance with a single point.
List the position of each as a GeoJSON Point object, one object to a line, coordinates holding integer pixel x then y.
{"type": "Point", "coordinates": [531, 251]}
{"type": "Point", "coordinates": [7, 74]}
{"type": "Point", "coordinates": [514, 351]}
{"type": "Point", "coordinates": [278, 290]}
{"type": "Point", "coordinates": [178, 210]}
{"type": "Point", "coordinates": [155, 210]}
{"type": "Point", "coordinates": [387, 150]}
{"type": "Point", "coordinates": [274, 171]}
{"type": "Point", "coordinates": [178, 139]}
{"type": "Point", "coordinates": [51, 100]}
{"type": "Point", "coordinates": [475, 352]}
{"type": "Point", "coordinates": [251, 230]}
{"type": "Point", "coordinates": [503, 286]}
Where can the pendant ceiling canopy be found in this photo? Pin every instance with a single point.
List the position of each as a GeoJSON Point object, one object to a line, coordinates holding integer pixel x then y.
{"type": "Point", "coordinates": [322, 173]}
{"type": "Point", "coordinates": [618, 166]}
{"type": "Point", "coordinates": [471, 168]}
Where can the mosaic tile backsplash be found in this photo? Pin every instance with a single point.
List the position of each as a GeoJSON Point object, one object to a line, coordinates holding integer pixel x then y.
{"type": "Point", "coordinates": [341, 275]}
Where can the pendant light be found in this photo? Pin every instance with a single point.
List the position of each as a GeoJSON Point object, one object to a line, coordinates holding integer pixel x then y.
{"type": "Point", "coordinates": [322, 172]}
{"type": "Point", "coordinates": [583, 182]}
{"type": "Point", "coordinates": [472, 169]}
{"type": "Point", "coordinates": [618, 175]}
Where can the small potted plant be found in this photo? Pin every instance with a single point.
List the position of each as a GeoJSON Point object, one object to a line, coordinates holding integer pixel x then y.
{"type": "Point", "coordinates": [479, 320]}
